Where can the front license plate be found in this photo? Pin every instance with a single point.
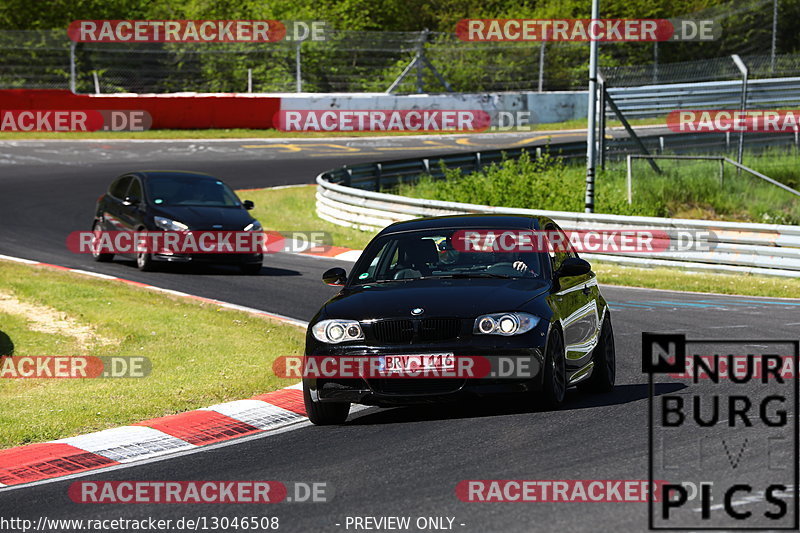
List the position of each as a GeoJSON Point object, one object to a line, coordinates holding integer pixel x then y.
{"type": "Point", "coordinates": [418, 362]}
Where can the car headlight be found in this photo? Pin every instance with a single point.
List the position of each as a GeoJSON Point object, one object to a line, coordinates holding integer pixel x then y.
{"type": "Point", "coordinates": [169, 224]}
{"type": "Point", "coordinates": [505, 324]}
{"type": "Point", "coordinates": [254, 226]}
{"type": "Point", "coordinates": [336, 331]}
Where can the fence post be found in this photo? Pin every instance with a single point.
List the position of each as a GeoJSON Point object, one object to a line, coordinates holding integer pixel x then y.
{"type": "Point", "coordinates": [721, 171]}
{"type": "Point", "coordinates": [249, 80]}
{"type": "Point", "coordinates": [601, 120]}
{"type": "Point", "coordinates": [743, 69]}
{"type": "Point", "coordinates": [298, 74]}
{"type": "Point", "coordinates": [378, 176]}
{"type": "Point", "coordinates": [541, 65]}
{"type": "Point", "coordinates": [72, 74]}
{"type": "Point", "coordinates": [421, 54]}
{"type": "Point", "coordinates": [630, 179]}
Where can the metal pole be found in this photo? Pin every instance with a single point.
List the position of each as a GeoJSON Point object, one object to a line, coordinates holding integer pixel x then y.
{"type": "Point", "coordinates": [72, 74]}
{"type": "Point", "coordinates": [541, 66]}
{"type": "Point", "coordinates": [298, 73]}
{"type": "Point", "coordinates": [655, 61]}
{"type": "Point", "coordinates": [249, 80]}
{"type": "Point", "coordinates": [743, 69]}
{"type": "Point", "coordinates": [96, 82]}
{"type": "Point", "coordinates": [592, 116]}
{"type": "Point", "coordinates": [601, 142]}
{"type": "Point", "coordinates": [774, 34]}
{"type": "Point", "coordinates": [630, 179]}
{"type": "Point", "coordinates": [421, 54]}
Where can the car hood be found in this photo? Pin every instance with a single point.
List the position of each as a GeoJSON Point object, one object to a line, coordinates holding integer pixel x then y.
{"type": "Point", "coordinates": [463, 298]}
{"type": "Point", "coordinates": [205, 218]}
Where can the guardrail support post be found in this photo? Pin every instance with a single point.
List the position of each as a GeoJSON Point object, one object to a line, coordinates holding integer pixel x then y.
{"type": "Point", "coordinates": [721, 171]}
{"type": "Point", "coordinates": [477, 161]}
{"type": "Point", "coordinates": [630, 179]}
{"type": "Point", "coordinates": [349, 178]}
{"type": "Point", "coordinates": [426, 165]}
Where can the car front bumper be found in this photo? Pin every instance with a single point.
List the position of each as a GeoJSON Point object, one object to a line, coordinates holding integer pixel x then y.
{"type": "Point", "coordinates": [387, 391]}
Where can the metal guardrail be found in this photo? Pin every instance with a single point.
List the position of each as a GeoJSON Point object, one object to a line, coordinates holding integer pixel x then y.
{"type": "Point", "coordinates": [349, 196]}
{"type": "Point", "coordinates": [656, 100]}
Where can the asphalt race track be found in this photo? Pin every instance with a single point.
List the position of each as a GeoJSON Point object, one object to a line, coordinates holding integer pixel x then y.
{"type": "Point", "coordinates": [390, 462]}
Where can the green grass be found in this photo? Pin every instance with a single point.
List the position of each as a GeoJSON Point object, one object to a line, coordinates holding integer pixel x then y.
{"type": "Point", "coordinates": [200, 354]}
{"type": "Point", "coordinates": [294, 208]}
{"type": "Point", "coordinates": [686, 189]}
{"type": "Point", "coordinates": [240, 133]}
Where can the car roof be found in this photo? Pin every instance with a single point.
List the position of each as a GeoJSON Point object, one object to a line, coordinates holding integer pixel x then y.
{"type": "Point", "coordinates": [147, 174]}
{"type": "Point", "coordinates": [464, 221]}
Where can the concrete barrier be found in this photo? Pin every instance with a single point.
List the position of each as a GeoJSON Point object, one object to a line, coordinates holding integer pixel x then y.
{"type": "Point", "coordinates": [169, 111]}
{"type": "Point", "coordinates": [543, 107]}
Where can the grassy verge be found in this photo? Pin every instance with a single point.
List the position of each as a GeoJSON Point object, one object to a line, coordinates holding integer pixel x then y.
{"type": "Point", "coordinates": [294, 209]}
{"type": "Point", "coordinates": [200, 354]}
{"type": "Point", "coordinates": [686, 189]}
{"type": "Point", "coordinates": [239, 133]}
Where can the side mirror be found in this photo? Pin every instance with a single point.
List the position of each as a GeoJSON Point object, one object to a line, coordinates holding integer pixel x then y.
{"type": "Point", "coordinates": [573, 266]}
{"type": "Point", "coordinates": [131, 200]}
{"type": "Point", "coordinates": [247, 204]}
{"type": "Point", "coordinates": [335, 277]}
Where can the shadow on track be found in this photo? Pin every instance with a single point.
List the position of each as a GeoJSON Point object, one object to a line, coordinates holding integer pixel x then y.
{"type": "Point", "coordinates": [509, 405]}
{"type": "Point", "coordinates": [208, 269]}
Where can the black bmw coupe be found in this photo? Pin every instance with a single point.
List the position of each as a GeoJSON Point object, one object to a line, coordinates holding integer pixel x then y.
{"type": "Point", "coordinates": [417, 298]}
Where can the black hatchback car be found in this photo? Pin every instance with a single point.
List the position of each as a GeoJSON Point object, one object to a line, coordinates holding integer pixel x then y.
{"type": "Point", "coordinates": [413, 295]}
{"type": "Point", "coordinates": [175, 201]}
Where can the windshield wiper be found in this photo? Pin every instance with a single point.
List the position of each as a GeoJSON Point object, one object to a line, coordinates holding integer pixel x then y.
{"type": "Point", "coordinates": [462, 275]}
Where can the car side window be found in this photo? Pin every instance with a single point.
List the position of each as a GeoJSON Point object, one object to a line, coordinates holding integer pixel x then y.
{"type": "Point", "coordinates": [564, 251]}
{"type": "Point", "coordinates": [135, 189]}
{"type": "Point", "coordinates": [119, 187]}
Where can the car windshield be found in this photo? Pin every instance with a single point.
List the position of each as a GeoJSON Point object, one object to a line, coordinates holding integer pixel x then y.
{"type": "Point", "coordinates": [190, 191]}
{"type": "Point", "coordinates": [432, 254]}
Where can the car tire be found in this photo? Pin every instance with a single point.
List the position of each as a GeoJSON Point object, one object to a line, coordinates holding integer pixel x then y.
{"type": "Point", "coordinates": [325, 414]}
{"type": "Point", "coordinates": [604, 357]}
{"type": "Point", "coordinates": [554, 386]}
{"type": "Point", "coordinates": [251, 269]}
{"type": "Point", "coordinates": [100, 258]}
{"type": "Point", "coordinates": [144, 262]}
